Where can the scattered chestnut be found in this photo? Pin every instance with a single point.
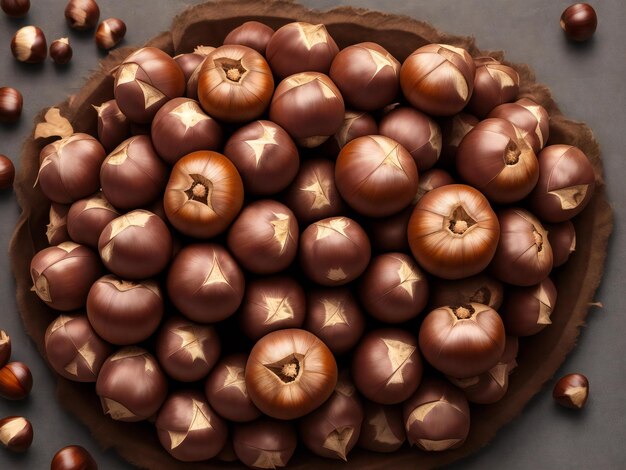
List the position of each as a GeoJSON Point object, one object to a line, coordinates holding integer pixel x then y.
{"type": "Point", "coordinates": [204, 275]}
{"type": "Point", "coordinates": [110, 33]}
{"type": "Point", "coordinates": [334, 251]}
{"type": "Point", "coordinates": [265, 443]}
{"type": "Point", "coordinates": [453, 232]}
{"type": "Point", "coordinates": [437, 416]}
{"type": "Point", "coordinates": [389, 234]}
{"type": "Point", "coordinates": [113, 125]}
{"type": "Point", "coordinates": [579, 21]}
{"type": "Point", "coordinates": [188, 429]}
{"type": "Point", "coordinates": [453, 130]}
{"type": "Point", "coordinates": [29, 45]}
{"type": "Point", "coordinates": [188, 63]}
{"type": "Point", "coordinates": [16, 381]}
{"type": "Point", "coordinates": [73, 348]}
{"type": "Point", "coordinates": [11, 103]}
{"type": "Point", "coordinates": [301, 47]}
{"type": "Point", "coordinates": [494, 84]}
{"type": "Point", "coordinates": [60, 51]}
{"type": "Point", "coordinates": [87, 218]}
{"type": "Point", "coordinates": [462, 340]}
{"type": "Point", "coordinates": [355, 124]}
{"type": "Point", "coordinates": [62, 275]}
{"type": "Point", "coordinates": [382, 429]}
{"type": "Point", "coordinates": [290, 373]}
{"type": "Point", "coordinates": [82, 14]}
{"type": "Point", "coordinates": [566, 183]}
{"type": "Point", "coordinates": [73, 458]}
{"type": "Point", "coordinates": [235, 84]}
{"type": "Point", "coordinates": [252, 34]}
{"type": "Point", "coordinates": [56, 230]}
{"type": "Point", "coordinates": [562, 238]}
{"type": "Point", "coordinates": [527, 310]}
{"type": "Point", "coordinates": [438, 79]}
{"type": "Point", "coordinates": [5, 348]}
{"type": "Point", "coordinates": [16, 433]}
{"type": "Point", "coordinates": [432, 179]}
{"type": "Point", "coordinates": [15, 8]}
{"type": "Point", "coordinates": [529, 117]}
{"type": "Point", "coordinates": [7, 172]}
{"type": "Point", "coordinates": [571, 391]}
{"type": "Point", "coordinates": [478, 289]}
{"type": "Point", "coordinates": [387, 366]}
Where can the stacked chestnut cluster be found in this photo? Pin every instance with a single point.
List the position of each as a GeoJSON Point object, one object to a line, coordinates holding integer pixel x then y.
{"type": "Point", "coordinates": [315, 274]}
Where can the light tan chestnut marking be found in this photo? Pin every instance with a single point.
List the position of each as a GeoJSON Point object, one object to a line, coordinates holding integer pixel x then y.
{"type": "Point", "coordinates": [201, 420]}
{"type": "Point", "coordinates": [151, 95]}
{"type": "Point", "coordinates": [116, 410]}
{"type": "Point", "coordinates": [571, 197]}
{"type": "Point", "coordinates": [336, 274]}
{"type": "Point", "coordinates": [235, 377]}
{"type": "Point", "coordinates": [278, 309]}
{"type": "Point", "coordinates": [337, 441]}
{"type": "Point", "coordinates": [334, 313]}
{"type": "Point", "coordinates": [127, 73]}
{"type": "Point", "coordinates": [192, 341]}
{"type": "Point", "coordinates": [281, 229]}
{"type": "Point", "coordinates": [319, 191]}
{"type": "Point", "coordinates": [329, 228]}
{"type": "Point", "coordinates": [577, 395]}
{"type": "Point", "coordinates": [258, 145]}
{"type": "Point", "coordinates": [438, 445]}
{"type": "Point", "coordinates": [499, 373]}
{"type": "Point", "coordinates": [545, 307]}
{"type": "Point", "coordinates": [216, 275]}
{"type": "Point", "coordinates": [399, 354]}
{"type": "Point", "coordinates": [11, 429]}
{"type": "Point", "coordinates": [435, 138]}
{"type": "Point", "coordinates": [84, 353]}
{"type": "Point", "coordinates": [312, 34]}
{"type": "Point", "coordinates": [269, 459]}
{"type": "Point", "coordinates": [189, 114]}
{"type": "Point", "coordinates": [408, 278]}
{"type": "Point", "coordinates": [120, 154]}
{"type": "Point", "coordinates": [382, 430]}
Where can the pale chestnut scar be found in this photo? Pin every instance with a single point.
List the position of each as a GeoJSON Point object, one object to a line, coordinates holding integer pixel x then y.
{"type": "Point", "coordinates": [258, 145]}
{"type": "Point", "coordinates": [408, 278]}
{"type": "Point", "coordinates": [499, 373]}
{"type": "Point", "coordinates": [312, 34]}
{"type": "Point", "coordinates": [381, 61]}
{"type": "Point", "coordinates": [116, 410]}
{"type": "Point", "coordinates": [572, 196]}
{"type": "Point", "coordinates": [320, 198]}
{"type": "Point", "coordinates": [216, 275]}
{"type": "Point", "coordinates": [201, 420]}
{"type": "Point", "coordinates": [189, 114]}
{"type": "Point", "coordinates": [278, 309]}
{"type": "Point", "coordinates": [349, 119]}
{"type": "Point", "coordinates": [577, 395]}
{"type": "Point", "coordinates": [337, 441]}
{"type": "Point", "coordinates": [329, 228]}
{"type": "Point", "coordinates": [192, 341]}
{"type": "Point", "coordinates": [235, 377]}
{"type": "Point", "coordinates": [269, 459]}
{"type": "Point", "coordinates": [382, 430]}
{"type": "Point", "coordinates": [433, 445]}
{"type": "Point", "coordinates": [334, 313]}
{"type": "Point", "coordinates": [281, 226]}
{"type": "Point", "coordinates": [399, 354]}
{"type": "Point", "coordinates": [336, 274]}
{"type": "Point", "coordinates": [88, 356]}
{"type": "Point", "coordinates": [545, 306]}
{"type": "Point", "coordinates": [11, 429]}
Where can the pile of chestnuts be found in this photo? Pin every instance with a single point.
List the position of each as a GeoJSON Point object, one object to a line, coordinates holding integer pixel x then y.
{"type": "Point", "coordinates": [276, 241]}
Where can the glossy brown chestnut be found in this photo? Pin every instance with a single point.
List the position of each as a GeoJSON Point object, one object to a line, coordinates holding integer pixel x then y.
{"type": "Point", "coordinates": [562, 238]}
{"type": "Point", "coordinates": [301, 47]}
{"type": "Point", "coordinates": [479, 289]}
{"type": "Point", "coordinates": [82, 14]}
{"type": "Point", "coordinates": [187, 351]}
{"type": "Point", "coordinates": [529, 117]}
{"type": "Point", "coordinates": [188, 63]}
{"type": "Point", "coordinates": [437, 416]}
{"type": "Point", "coordinates": [7, 172]}
{"type": "Point", "coordinates": [528, 310]}
{"type": "Point", "coordinates": [309, 106]}
{"type": "Point", "coordinates": [192, 82]}
{"type": "Point", "coordinates": [382, 429]}
{"type": "Point", "coordinates": [334, 251]}
{"type": "Point", "coordinates": [393, 289]}
{"type": "Point", "coordinates": [579, 21]}
{"type": "Point", "coordinates": [265, 156]}
{"type": "Point", "coordinates": [453, 130]}
{"type": "Point", "coordinates": [113, 125]}
{"type": "Point", "coordinates": [495, 158]}
{"type": "Point", "coordinates": [453, 232]}
{"type": "Point", "coordinates": [5, 348]}
{"type": "Point", "coordinates": [462, 340]}
{"type": "Point", "coordinates": [290, 373]}
{"type": "Point", "coordinates": [16, 381]}
{"type": "Point", "coordinates": [61, 178]}
{"type": "Point", "coordinates": [15, 8]}
{"type": "Point", "coordinates": [87, 218]}
{"type": "Point", "coordinates": [60, 51]}
{"type": "Point", "coordinates": [235, 84]}
{"type": "Point", "coordinates": [131, 385]}
{"type": "Point", "coordinates": [73, 348]}
{"type": "Point", "coordinates": [16, 433]}
{"type": "Point", "coordinates": [62, 275]}
{"type": "Point", "coordinates": [110, 33]}
{"type": "Point", "coordinates": [11, 103]}
{"type": "Point", "coordinates": [124, 312]}
{"type": "Point", "coordinates": [145, 81]}
{"type": "Point", "coordinates": [494, 84]}
{"type": "Point", "coordinates": [226, 390]}
{"type": "Point", "coordinates": [334, 316]}
{"type": "Point", "coordinates": [73, 458]}
{"type": "Point", "coordinates": [416, 132]}
{"type": "Point", "coordinates": [524, 255]}
{"type": "Point", "coordinates": [438, 79]}
{"type": "Point", "coordinates": [355, 124]}
{"type": "Point", "coordinates": [389, 234]}
{"type": "Point", "coordinates": [571, 391]}
{"type": "Point", "coordinates": [188, 429]}
{"type": "Point", "coordinates": [204, 194]}
{"type": "Point", "coordinates": [432, 179]}
{"type": "Point", "coordinates": [566, 183]}
{"type": "Point", "coordinates": [367, 75]}
{"type": "Point", "coordinates": [252, 34]}
{"type": "Point", "coordinates": [56, 230]}
{"type": "Point", "coordinates": [205, 283]}
{"type": "Point", "coordinates": [29, 45]}
{"type": "Point", "coordinates": [265, 443]}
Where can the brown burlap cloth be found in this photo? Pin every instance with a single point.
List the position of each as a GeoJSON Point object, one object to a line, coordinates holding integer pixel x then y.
{"type": "Point", "coordinates": [208, 24]}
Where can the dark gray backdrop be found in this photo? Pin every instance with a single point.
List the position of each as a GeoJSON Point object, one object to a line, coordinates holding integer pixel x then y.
{"type": "Point", "coordinates": [587, 82]}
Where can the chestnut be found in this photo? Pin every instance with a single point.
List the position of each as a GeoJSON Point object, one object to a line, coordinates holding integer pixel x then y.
{"type": "Point", "coordinates": [56, 230]}
{"type": "Point", "coordinates": [334, 316]}
{"type": "Point", "coordinates": [334, 251]}
{"type": "Point", "coordinates": [16, 433]}
{"type": "Point", "coordinates": [462, 340]}
{"type": "Point", "coordinates": [110, 33]}
{"type": "Point", "coordinates": [252, 34]}
{"type": "Point", "coordinates": [82, 14]}
{"type": "Point", "coordinates": [62, 275]}
{"type": "Point", "coordinates": [313, 194]}
{"type": "Point", "coordinates": [367, 75]}
{"type": "Point", "coordinates": [562, 238]}
{"type": "Point", "coordinates": [355, 124]}
{"type": "Point", "coordinates": [188, 429]}
{"type": "Point", "coordinates": [438, 79]}
{"type": "Point", "coordinates": [416, 132]}
{"type": "Point", "coordinates": [309, 106]}
{"type": "Point", "coordinates": [133, 175]}
{"type": "Point", "coordinates": [432, 179]}
{"type": "Point", "coordinates": [188, 63]}
{"type": "Point", "coordinates": [453, 232]}
{"type": "Point", "coordinates": [387, 366]}
{"type": "Point", "coordinates": [571, 391]}
{"type": "Point", "coordinates": [393, 289]}
{"type": "Point", "coordinates": [264, 238]}
{"type": "Point", "coordinates": [453, 130]}
{"type": "Point", "coordinates": [131, 385]}
{"type": "Point", "coordinates": [145, 81]}
{"type": "Point", "coordinates": [73, 458]}
{"type": "Point", "coordinates": [204, 194]}
{"type": "Point", "coordinates": [5, 348]}
{"type": "Point", "coordinates": [87, 218]}
{"type": "Point", "coordinates": [495, 158]}
{"type": "Point", "coordinates": [235, 84]}
{"type": "Point", "coordinates": [333, 429]}
{"type": "Point", "coordinates": [271, 303]}
{"type": "Point", "coordinates": [124, 312]}
{"type": "Point", "coordinates": [191, 89]}
{"type": "Point", "coordinates": [7, 172]}
{"type": "Point", "coordinates": [389, 234]}
{"type": "Point", "coordinates": [60, 51]}
{"type": "Point", "coordinates": [15, 8]}
{"type": "Point", "coordinates": [61, 178]}
{"type": "Point", "coordinates": [494, 84]}
{"type": "Point", "coordinates": [376, 176]}
{"type": "Point", "coordinates": [566, 183]}
{"type": "Point", "coordinates": [265, 443]}
{"type": "Point", "coordinates": [478, 289]}
{"type": "Point", "coordinates": [265, 156]}
{"type": "Point", "coordinates": [29, 45]}
{"type": "Point", "coordinates": [226, 390]}
{"type": "Point", "coordinates": [382, 429]}
{"type": "Point", "coordinates": [290, 373]}
{"type": "Point", "coordinates": [16, 381]}
{"type": "Point", "coordinates": [579, 21]}
{"type": "Point", "coordinates": [532, 119]}
{"type": "Point", "coordinates": [301, 47]}
{"type": "Point", "coordinates": [11, 103]}
{"type": "Point", "coordinates": [437, 416]}
{"type": "Point", "coordinates": [113, 125]}
{"type": "Point", "coordinates": [205, 283]}
{"type": "Point", "coordinates": [186, 350]}
{"type": "Point", "coordinates": [527, 310]}
{"type": "Point", "coordinates": [524, 255]}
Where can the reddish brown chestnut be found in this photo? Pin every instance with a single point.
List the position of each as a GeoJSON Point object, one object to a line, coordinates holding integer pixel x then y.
{"type": "Point", "coordinates": [252, 34]}
{"type": "Point", "coordinates": [29, 45]}
{"type": "Point", "coordinates": [16, 381]}
{"type": "Point", "coordinates": [432, 179]}
{"type": "Point", "coordinates": [5, 348]}
{"type": "Point", "coordinates": [15, 8]}
{"type": "Point", "coordinates": [453, 130]}
{"type": "Point", "coordinates": [188, 63]}
{"type": "Point", "coordinates": [87, 218]}
{"type": "Point", "coordinates": [494, 84]}
{"type": "Point", "coordinates": [479, 289]}
{"type": "Point", "coordinates": [527, 310]}
{"type": "Point", "coordinates": [571, 391]}
{"type": "Point", "coordinates": [7, 172]}
{"type": "Point", "coordinates": [11, 103]}
{"type": "Point", "coordinates": [382, 429]}
{"type": "Point", "coordinates": [56, 230]}
{"type": "Point", "coordinates": [192, 82]}
{"type": "Point", "coordinates": [579, 21]}
{"type": "Point", "coordinates": [73, 458]}
{"type": "Point", "coordinates": [82, 14]}
{"type": "Point", "coordinates": [355, 124]}
{"type": "Point", "coordinates": [60, 51]}
{"type": "Point", "coordinates": [16, 433]}
{"type": "Point", "coordinates": [113, 125]}
{"type": "Point", "coordinates": [529, 117]}
{"type": "Point", "coordinates": [562, 237]}
{"type": "Point", "coordinates": [110, 33]}
{"type": "Point", "coordinates": [265, 443]}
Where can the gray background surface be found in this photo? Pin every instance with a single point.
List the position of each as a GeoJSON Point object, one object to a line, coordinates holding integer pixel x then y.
{"type": "Point", "coordinates": [588, 83]}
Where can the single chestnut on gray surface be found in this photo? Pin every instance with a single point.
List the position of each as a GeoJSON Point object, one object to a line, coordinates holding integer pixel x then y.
{"type": "Point", "coordinates": [579, 21]}
{"type": "Point", "coordinates": [73, 458]}
{"type": "Point", "coordinates": [11, 103]}
{"type": "Point", "coordinates": [110, 33]}
{"type": "Point", "coordinates": [29, 45]}
{"type": "Point", "coordinates": [16, 381]}
{"type": "Point", "coordinates": [15, 8]}
{"type": "Point", "coordinates": [61, 51]}
{"type": "Point", "coordinates": [382, 429]}
{"type": "Point", "coordinates": [82, 14]}
{"type": "Point", "coordinates": [571, 391]}
{"type": "Point", "coordinates": [16, 433]}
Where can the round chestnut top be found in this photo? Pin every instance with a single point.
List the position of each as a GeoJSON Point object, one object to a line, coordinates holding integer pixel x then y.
{"type": "Point", "coordinates": [87, 218]}
{"type": "Point", "coordinates": [113, 125]}
{"type": "Point", "coordinates": [531, 118]}
{"type": "Point", "coordinates": [252, 34]}
{"type": "Point", "coordinates": [265, 443]}
{"type": "Point", "coordinates": [355, 124]}
{"type": "Point", "coordinates": [579, 21]}
{"type": "Point", "coordinates": [7, 172]}
{"type": "Point", "coordinates": [11, 102]}
{"type": "Point", "coordinates": [494, 84]}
